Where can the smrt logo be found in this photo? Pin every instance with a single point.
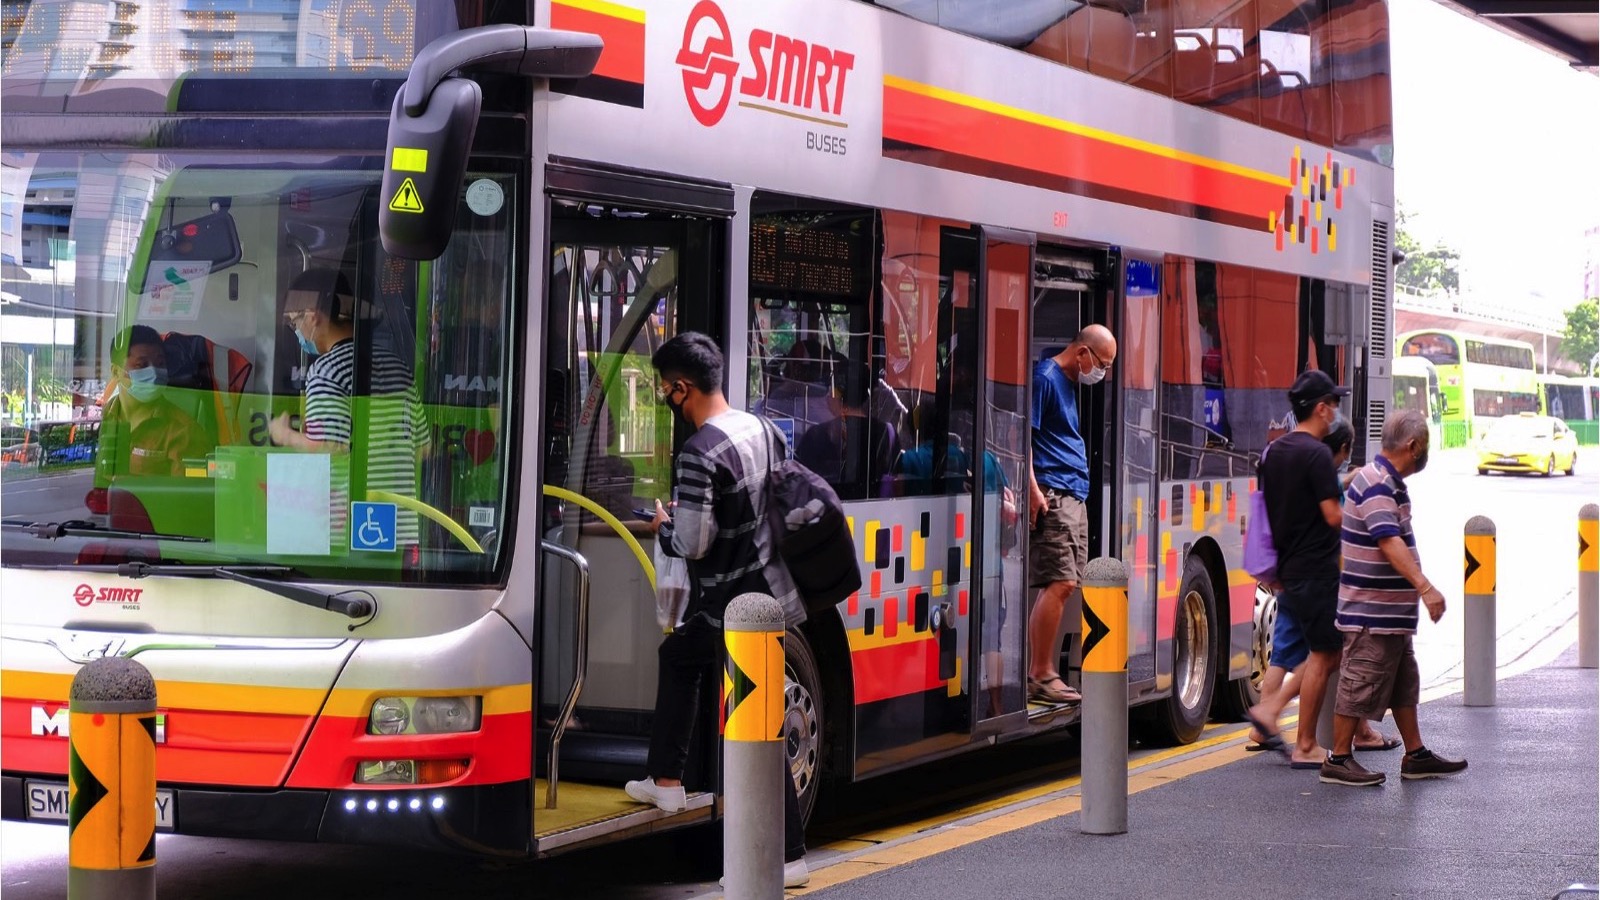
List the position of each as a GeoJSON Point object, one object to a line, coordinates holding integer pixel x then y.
{"type": "Point", "coordinates": [783, 70]}
{"type": "Point", "coordinates": [88, 596]}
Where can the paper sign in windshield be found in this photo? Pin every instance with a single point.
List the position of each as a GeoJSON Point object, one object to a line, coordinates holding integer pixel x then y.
{"type": "Point", "coordinates": [176, 289]}
{"type": "Point", "coordinates": [297, 503]}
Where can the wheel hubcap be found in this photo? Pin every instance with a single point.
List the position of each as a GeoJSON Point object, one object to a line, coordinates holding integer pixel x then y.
{"type": "Point", "coordinates": [802, 738]}
{"type": "Point", "coordinates": [1193, 639]}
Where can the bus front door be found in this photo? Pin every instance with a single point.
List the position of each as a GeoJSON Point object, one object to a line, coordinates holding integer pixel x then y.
{"type": "Point", "coordinates": [623, 278]}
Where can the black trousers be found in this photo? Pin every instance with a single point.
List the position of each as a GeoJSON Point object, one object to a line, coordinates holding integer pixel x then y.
{"type": "Point", "coordinates": [687, 656]}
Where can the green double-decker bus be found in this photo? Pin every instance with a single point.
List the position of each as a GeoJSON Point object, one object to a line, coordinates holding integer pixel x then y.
{"type": "Point", "coordinates": [1480, 378]}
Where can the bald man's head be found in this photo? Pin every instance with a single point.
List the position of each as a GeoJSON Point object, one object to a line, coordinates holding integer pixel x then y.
{"type": "Point", "coordinates": [1090, 354]}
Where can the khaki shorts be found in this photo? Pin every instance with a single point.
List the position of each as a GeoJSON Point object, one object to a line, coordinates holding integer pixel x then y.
{"type": "Point", "coordinates": [1058, 545]}
{"type": "Point", "coordinates": [1379, 672]}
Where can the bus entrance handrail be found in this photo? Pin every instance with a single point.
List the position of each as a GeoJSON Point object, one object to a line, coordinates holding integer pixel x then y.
{"type": "Point", "coordinates": [580, 668]}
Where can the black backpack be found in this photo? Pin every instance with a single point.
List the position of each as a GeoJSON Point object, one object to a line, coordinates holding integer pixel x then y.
{"type": "Point", "coordinates": [810, 529]}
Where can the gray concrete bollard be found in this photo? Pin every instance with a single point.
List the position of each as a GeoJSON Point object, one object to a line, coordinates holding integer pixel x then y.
{"type": "Point", "coordinates": [111, 782]}
{"type": "Point", "coordinates": [752, 750]}
{"type": "Point", "coordinates": [1589, 586]}
{"type": "Point", "coordinates": [1478, 613]}
{"type": "Point", "coordinates": [1105, 697]}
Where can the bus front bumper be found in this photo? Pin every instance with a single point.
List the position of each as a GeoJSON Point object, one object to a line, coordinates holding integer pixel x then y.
{"type": "Point", "coordinates": [480, 819]}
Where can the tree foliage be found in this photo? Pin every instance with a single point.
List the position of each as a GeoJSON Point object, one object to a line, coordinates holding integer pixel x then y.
{"type": "Point", "coordinates": [1580, 338]}
{"type": "Point", "coordinates": [1426, 271]}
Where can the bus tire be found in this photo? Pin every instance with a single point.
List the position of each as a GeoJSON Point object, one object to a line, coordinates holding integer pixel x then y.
{"type": "Point", "coordinates": [804, 720]}
{"type": "Point", "coordinates": [1179, 718]}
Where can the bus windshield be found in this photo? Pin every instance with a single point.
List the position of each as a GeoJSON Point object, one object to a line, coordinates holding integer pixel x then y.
{"type": "Point", "coordinates": [221, 353]}
{"type": "Point", "coordinates": [1439, 349]}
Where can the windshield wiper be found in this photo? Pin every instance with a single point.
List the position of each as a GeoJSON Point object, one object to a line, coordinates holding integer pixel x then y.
{"type": "Point", "coordinates": [357, 604]}
{"type": "Point", "coordinates": [80, 528]}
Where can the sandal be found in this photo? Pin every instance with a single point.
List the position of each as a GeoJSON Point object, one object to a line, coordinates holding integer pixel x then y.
{"type": "Point", "coordinates": [1044, 693]}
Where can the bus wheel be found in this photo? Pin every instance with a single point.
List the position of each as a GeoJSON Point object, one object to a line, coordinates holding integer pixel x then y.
{"type": "Point", "coordinates": [803, 720]}
{"type": "Point", "coordinates": [1180, 717]}
{"type": "Point", "coordinates": [1234, 698]}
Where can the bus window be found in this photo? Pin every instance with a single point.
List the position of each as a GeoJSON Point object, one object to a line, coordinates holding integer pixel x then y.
{"type": "Point", "coordinates": [350, 427]}
{"type": "Point", "coordinates": [1439, 349]}
{"type": "Point", "coordinates": [812, 369]}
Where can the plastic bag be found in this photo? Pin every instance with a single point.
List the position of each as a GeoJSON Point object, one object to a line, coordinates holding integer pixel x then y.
{"type": "Point", "coordinates": [672, 589]}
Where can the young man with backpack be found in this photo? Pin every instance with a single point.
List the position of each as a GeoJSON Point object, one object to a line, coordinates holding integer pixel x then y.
{"type": "Point", "coordinates": [718, 525]}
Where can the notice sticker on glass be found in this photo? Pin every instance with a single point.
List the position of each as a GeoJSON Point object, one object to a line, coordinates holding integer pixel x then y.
{"type": "Point", "coordinates": [298, 486]}
{"type": "Point", "coordinates": [176, 289]}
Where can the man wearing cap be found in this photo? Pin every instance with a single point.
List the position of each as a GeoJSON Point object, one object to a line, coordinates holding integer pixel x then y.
{"type": "Point", "coordinates": [1301, 488]}
{"type": "Point", "coordinates": [321, 309]}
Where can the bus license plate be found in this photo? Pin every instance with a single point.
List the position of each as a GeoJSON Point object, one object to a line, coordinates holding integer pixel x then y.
{"type": "Point", "coordinates": [47, 802]}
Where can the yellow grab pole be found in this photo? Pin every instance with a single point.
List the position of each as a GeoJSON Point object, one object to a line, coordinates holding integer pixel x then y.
{"type": "Point", "coordinates": [111, 782]}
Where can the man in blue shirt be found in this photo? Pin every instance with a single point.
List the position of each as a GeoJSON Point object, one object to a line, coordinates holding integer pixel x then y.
{"type": "Point", "coordinates": [1059, 542]}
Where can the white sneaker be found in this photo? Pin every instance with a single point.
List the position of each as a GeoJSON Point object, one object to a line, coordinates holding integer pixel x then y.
{"type": "Point", "coordinates": [667, 799]}
{"type": "Point", "coordinates": [795, 874]}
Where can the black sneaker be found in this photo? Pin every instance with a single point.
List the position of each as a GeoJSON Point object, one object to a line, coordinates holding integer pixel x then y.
{"type": "Point", "coordinates": [1431, 766]}
{"type": "Point", "coordinates": [1349, 772]}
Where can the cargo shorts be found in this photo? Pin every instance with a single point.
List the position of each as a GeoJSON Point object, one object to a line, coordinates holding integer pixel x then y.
{"type": "Point", "coordinates": [1379, 672]}
{"type": "Point", "coordinates": [1058, 545]}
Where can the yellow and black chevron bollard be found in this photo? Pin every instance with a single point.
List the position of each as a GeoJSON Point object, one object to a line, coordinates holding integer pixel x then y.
{"type": "Point", "coordinates": [111, 782]}
{"type": "Point", "coordinates": [1589, 586]}
{"type": "Point", "coordinates": [752, 749]}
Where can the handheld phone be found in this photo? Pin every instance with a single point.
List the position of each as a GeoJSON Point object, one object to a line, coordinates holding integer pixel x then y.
{"type": "Point", "coordinates": [648, 515]}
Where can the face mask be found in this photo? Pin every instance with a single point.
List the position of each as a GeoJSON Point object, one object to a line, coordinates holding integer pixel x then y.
{"type": "Point", "coordinates": [306, 345]}
{"type": "Point", "coordinates": [1094, 375]}
{"type": "Point", "coordinates": [145, 384]}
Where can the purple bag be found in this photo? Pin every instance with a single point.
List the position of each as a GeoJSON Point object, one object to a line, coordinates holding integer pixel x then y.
{"type": "Point", "coordinates": [1260, 556]}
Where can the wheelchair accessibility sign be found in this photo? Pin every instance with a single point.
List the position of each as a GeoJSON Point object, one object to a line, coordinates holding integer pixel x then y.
{"type": "Point", "coordinates": [372, 527]}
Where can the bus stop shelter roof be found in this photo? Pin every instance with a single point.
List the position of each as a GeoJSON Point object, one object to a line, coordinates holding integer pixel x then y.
{"type": "Point", "coordinates": [1570, 29]}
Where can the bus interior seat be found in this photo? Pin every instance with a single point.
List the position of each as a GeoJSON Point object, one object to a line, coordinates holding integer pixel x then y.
{"type": "Point", "coordinates": [207, 370]}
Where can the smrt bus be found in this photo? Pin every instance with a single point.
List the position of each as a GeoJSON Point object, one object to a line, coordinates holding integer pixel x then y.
{"type": "Point", "coordinates": [1481, 377]}
{"type": "Point", "coordinates": [436, 624]}
{"type": "Point", "coordinates": [1575, 401]}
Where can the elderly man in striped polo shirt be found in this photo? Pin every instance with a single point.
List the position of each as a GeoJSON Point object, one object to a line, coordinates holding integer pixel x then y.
{"type": "Point", "coordinates": [1378, 592]}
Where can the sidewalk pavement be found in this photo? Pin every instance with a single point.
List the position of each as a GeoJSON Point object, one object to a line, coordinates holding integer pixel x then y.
{"type": "Point", "coordinates": [1520, 822]}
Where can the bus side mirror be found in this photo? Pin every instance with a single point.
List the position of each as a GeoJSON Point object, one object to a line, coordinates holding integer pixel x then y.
{"type": "Point", "coordinates": [424, 165]}
{"type": "Point", "coordinates": [435, 115]}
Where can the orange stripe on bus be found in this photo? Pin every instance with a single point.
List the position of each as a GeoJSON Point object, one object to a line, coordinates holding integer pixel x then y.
{"type": "Point", "coordinates": [623, 56]}
{"type": "Point", "coordinates": [938, 124]}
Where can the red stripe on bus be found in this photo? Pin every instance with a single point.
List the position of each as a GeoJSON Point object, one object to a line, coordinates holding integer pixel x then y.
{"type": "Point", "coordinates": [896, 670]}
{"type": "Point", "coordinates": [200, 747]}
{"type": "Point", "coordinates": [942, 125]}
{"type": "Point", "coordinates": [1241, 603]}
{"type": "Point", "coordinates": [623, 56]}
{"type": "Point", "coordinates": [499, 751]}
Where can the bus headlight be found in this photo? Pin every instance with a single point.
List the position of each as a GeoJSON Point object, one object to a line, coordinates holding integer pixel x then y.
{"type": "Point", "coordinates": [445, 715]}
{"type": "Point", "coordinates": [390, 715]}
{"type": "Point", "coordinates": [425, 715]}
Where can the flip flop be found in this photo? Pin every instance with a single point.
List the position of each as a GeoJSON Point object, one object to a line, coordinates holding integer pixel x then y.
{"type": "Point", "coordinates": [1389, 743]}
{"type": "Point", "coordinates": [1273, 741]}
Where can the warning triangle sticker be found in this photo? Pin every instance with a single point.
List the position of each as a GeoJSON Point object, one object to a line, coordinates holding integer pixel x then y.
{"type": "Point", "coordinates": [406, 199]}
